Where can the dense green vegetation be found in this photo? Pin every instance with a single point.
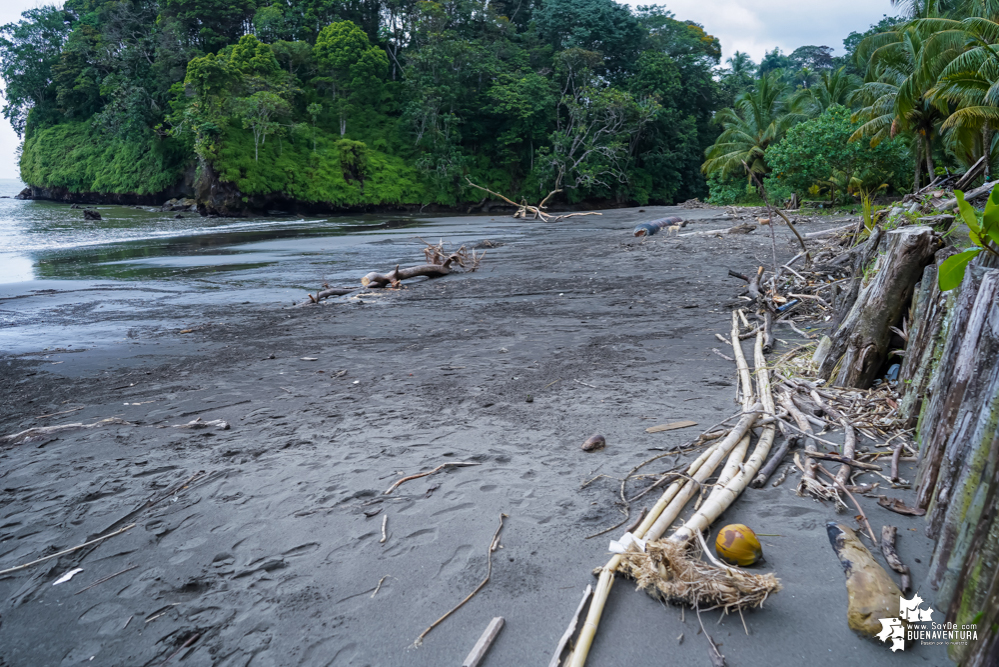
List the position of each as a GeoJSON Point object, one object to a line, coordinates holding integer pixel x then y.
{"type": "Point", "coordinates": [913, 98]}
{"type": "Point", "coordinates": [352, 102]}
{"type": "Point", "coordinates": [356, 102]}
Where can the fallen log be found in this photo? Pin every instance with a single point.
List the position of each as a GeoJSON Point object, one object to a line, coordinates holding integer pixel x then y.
{"type": "Point", "coordinates": [859, 347]}
{"type": "Point", "coordinates": [866, 252]}
{"type": "Point", "coordinates": [397, 275]}
{"type": "Point", "coordinates": [332, 291]}
{"type": "Point", "coordinates": [948, 204]}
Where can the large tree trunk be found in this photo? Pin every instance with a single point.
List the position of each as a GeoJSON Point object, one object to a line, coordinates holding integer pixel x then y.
{"type": "Point", "coordinates": [859, 346]}
{"type": "Point", "coordinates": [936, 419]}
{"type": "Point", "coordinates": [928, 154]}
{"type": "Point", "coordinates": [927, 337]}
{"type": "Point", "coordinates": [966, 417]}
{"type": "Point", "coordinates": [987, 150]}
{"type": "Point", "coordinates": [863, 259]}
{"type": "Point", "coordinates": [955, 343]}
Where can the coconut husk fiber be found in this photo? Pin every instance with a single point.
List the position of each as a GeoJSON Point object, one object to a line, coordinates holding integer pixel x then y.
{"type": "Point", "coordinates": [675, 573]}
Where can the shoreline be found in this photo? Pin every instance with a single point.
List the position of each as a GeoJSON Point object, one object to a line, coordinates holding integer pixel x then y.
{"type": "Point", "coordinates": [271, 556]}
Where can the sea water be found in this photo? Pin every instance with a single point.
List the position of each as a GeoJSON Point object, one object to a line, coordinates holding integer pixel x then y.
{"type": "Point", "coordinates": [62, 276]}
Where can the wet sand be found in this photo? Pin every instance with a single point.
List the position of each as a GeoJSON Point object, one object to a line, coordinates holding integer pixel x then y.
{"type": "Point", "coordinates": [270, 558]}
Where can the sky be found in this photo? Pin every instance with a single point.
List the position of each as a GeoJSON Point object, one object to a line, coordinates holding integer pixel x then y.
{"type": "Point", "coordinates": [753, 26]}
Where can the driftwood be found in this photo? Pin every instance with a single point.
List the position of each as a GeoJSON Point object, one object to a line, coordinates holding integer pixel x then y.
{"type": "Point", "coordinates": [478, 651]}
{"type": "Point", "coordinates": [963, 441]}
{"type": "Point", "coordinates": [455, 464]}
{"type": "Point", "coordinates": [537, 211]}
{"type": "Point", "coordinates": [493, 546]}
{"type": "Point", "coordinates": [859, 347]}
{"type": "Point", "coordinates": [331, 291]}
{"type": "Point", "coordinates": [66, 551]}
{"type": "Point", "coordinates": [571, 630]}
{"type": "Point", "coordinates": [767, 471]}
{"type": "Point", "coordinates": [974, 171]}
{"type": "Point", "coordinates": [948, 204]}
{"type": "Point", "coordinates": [41, 432]}
{"type": "Point", "coordinates": [849, 447]}
{"type": "Point", "coordinates": [745, 228]}
{"type": "Point", "coordinates": [863, 257]}
{"type": "Point", "coordinates": [397, 275]}
{"type": "Point", "coordinates": [926, 340]}
{"type": "Point", "coordinates": [845, 460]}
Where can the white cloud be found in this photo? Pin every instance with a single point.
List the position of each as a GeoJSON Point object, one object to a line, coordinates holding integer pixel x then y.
{"type": "Point", "coordinates": [757, 26]}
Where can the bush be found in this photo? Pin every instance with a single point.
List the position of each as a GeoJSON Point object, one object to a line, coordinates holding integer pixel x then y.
{"type": "Point", "coordinates": [725, 191]}
{"type": "Point", "coordinates": [819, 152]}
{"type": "Point", "coordinates": [79, 158]}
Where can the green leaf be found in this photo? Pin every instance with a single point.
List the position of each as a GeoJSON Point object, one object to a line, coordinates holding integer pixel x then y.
{"type": "Point", "coordinates": [952, 269]}
{"type": "Point", "coordinates": [967, 212]}
{"type": "Point", "coordinates": [992, 206]}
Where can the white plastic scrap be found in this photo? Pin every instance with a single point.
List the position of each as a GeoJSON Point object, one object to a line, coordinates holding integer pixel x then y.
{"type": "Point", "coordinates": [625, 543]}
{"type": "Point", "coordinates": [66, 577]}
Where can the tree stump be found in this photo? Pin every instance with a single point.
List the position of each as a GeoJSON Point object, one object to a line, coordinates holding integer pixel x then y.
{"type": "Point", "coordinates": [936, 419]}
{"type": "Point", "coordinates": [859, 346]}
{"type": "Point", "coordinates": [927, 337]}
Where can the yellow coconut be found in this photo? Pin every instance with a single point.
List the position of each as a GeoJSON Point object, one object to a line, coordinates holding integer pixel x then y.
{"type": "Point", "coordinates": [738, 545]}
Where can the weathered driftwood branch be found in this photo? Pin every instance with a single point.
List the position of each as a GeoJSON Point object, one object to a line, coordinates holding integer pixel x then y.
{"type": "Point", "coordinates": [891, 557]}
{"type": "Point", "coordinates": [767, 471]}
{"type": "Point", "coordinates": [39, 432]}
{"type": "Point", "coordinates": [538, 211]}
{"type": "Point", "coordinates": [332, 291]}
{"type": "Point", "coordinates": [397, 275]}
{"type": "Point", "coordinates": [948, 204]}
{"type": "Point", "coordinates": [859, 465]}
{"type": "Point", "coordinates": [849, 447]}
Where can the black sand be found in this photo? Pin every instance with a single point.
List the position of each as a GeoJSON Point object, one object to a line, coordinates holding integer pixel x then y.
{"type": "Point", "coordinates": [269, 558]}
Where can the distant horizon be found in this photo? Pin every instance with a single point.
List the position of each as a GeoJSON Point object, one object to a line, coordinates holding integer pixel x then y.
{"type": "Point", "coordinates": [751, 26]}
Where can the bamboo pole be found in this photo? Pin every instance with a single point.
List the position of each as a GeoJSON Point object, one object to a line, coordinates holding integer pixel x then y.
{"type": "Point", "coordinates": [675, 498]}
{"type": "Point", "coordinates": [738, 455]}
{"type": "Point", "coordinates": [655, 525]}
{"type": "Point", "coordinates": [726, 493]}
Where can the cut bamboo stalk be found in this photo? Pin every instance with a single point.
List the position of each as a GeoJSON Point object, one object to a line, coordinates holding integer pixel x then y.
{"type": "Point", "coordinates": [738, 455]}
{"type": "Point", "coordinates": [659, 519]}
{"type": "Point", "coordinates": [725, 494]}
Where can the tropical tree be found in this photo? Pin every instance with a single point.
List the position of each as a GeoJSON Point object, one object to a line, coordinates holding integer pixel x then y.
{"type": "Point", "coordinates": [831, 88]}
{"type": "Point", "coordinates": [261, 113]}
{"type": "Point", "coordinates": [961, 55]}
{"type": "Point", "coordinates": [350, 66]}
{"type": "Point", "coordinates": [760, 118]}
{"type": "Point", "coordinates": [895, 94]}
{"type": "Point", "coordinates": [29, 50]}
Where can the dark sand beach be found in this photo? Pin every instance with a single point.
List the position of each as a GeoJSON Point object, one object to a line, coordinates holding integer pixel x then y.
{"type": "Point", "coordinates": [253, 546]}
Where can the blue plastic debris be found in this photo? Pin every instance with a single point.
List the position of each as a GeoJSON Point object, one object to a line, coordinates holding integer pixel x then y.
{"type": "Point", "coordinates": [654, 227]}
{"type": "Point", "coordinates": [892, 374]}
{"type": "Point", "coordinates": [792, 302]}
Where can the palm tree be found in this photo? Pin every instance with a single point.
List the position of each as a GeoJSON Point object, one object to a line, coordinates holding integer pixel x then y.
{"type": "Point", "coordinates": [833, 87]}
{"type": "Point", "coordinates": [895, 94]}
{"type": "Point", "coordinates": [963, 56]}
{"type": "Point", "coordinates": [741, 65]}
{"type": "Point", "coordinates": [760, 118]}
